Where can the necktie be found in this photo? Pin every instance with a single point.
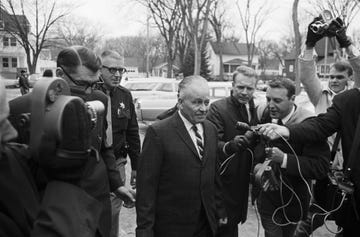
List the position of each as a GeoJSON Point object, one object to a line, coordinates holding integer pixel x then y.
{"type": "Point", "coordinates": [244, 112]}
{"type": "Point", "coordinates": [109, 136]}
{"type": "Point", "coordinates": [199, 142]}
{"type": "Point", "coordinates": [280, 122]}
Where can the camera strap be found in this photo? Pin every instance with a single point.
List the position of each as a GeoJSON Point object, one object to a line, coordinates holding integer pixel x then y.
{"type": "Point", "coordinates": [335, 147]}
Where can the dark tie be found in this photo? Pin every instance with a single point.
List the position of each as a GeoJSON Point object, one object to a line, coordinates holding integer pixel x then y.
{"type": "Point", "coordinates": [280, 122]}
{"type": "Point", "coordinates": [199, 142]}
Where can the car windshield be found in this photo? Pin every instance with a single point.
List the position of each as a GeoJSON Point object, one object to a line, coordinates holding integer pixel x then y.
{"type": "Point", "coordinates": [145, 86]}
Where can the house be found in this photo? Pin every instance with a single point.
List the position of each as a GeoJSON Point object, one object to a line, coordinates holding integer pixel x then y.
{"type": "Point", "coordinates": [161, 69]}
{"type": "Point", "coordinates": [12, 54]}
{"type": "Point", "coordinates": [322, 64]}
{"type": "Point", "coordinates": [233, 54]}
{"type": "Point", "coordinates": [132, 67]}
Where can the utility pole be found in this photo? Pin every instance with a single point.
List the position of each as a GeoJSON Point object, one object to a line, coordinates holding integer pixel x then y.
{"type": "Point", "coordinates": [326, 55]}
{"type": "Point", "coordinates": [147, 44]}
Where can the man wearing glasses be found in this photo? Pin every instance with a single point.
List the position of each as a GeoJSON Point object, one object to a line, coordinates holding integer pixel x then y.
{"type": "Point", "coordinates": [341, 73]}
{"type": "Point", "coordinates": [123, 129]}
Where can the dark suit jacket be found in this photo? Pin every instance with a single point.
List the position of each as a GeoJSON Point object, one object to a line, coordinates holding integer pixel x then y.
{"type": "Point", "coordinates": [173, 183]}
{"type": "Point", "coordinates": [224, 114]}
{"type": "Point", "coordinates": [341, 117]}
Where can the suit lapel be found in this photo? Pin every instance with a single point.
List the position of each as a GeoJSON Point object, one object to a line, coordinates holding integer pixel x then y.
{"type": "Point", "coordinates": [207, 139]}
{"type": "Point", "coordinates": [184, 134]}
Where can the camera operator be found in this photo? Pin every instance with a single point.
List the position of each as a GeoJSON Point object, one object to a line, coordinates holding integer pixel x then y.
{"type": "Point", "coordinates": [286, 200]}
{"type": "Point", "coordinates": [341, 72]}
{"type": "Point", "coordinates": [23, 211]}
{"type": "Point", "coordinates": [224, 114]}
{"type": "Point", "coordinates": [80, 67]}
{"type": "Point", "coordinates": [341, 117]}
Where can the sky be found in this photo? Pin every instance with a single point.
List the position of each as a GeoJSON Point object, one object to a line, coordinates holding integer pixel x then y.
{"type": "Point", "coordinates": [128, 17]}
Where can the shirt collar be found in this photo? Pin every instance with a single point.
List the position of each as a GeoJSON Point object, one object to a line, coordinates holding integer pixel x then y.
{"type": "Point", "coordinates": [286, 118]}
{"type": "Point", "coordinates": [189, 125]}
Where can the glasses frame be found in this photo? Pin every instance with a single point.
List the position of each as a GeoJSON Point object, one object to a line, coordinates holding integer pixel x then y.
{"type": "Point", "coordinates": [113, 70]}
{"type": "Point", "coordinates": [85, 84]}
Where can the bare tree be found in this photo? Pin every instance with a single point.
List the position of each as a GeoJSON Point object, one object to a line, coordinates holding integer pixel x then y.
{"type": "Point", "coordinates": [346, 9]}
{"type": "Point", "coordinates": [75, 31]}
{"type": "Point", "coordinates": [167, 17]}
{"type": "Point", "coordinates": [34, 37]}
{"type": "Point", "coordinates": [252, 19]}
{"type": "Point", "coordinates": [195, 18]}
{"type": "Point", "coordinates": [297, 42]}
{"type": "Point", "coordinates": [183, 45]}
{"type": "Point", "coordinates": [219, 24]}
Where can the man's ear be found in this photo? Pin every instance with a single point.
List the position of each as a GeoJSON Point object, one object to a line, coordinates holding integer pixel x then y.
{"type": "Point", "coordinates": [60, 72]}
{"type": "Point", "coordinates": [292, 98]}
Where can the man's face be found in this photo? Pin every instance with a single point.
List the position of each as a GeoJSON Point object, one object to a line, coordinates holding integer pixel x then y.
{"type": "Point", "coordinates": [338, 80]}
{"type": "Point", "coordinates": [83, 78]}
{"type": "Point", "coordinates": [278, 102]}
{"type": "Point", "coordinates": [243, 88]}
{"type": "Point", "coordinates": [112, 71]}
{"type": "Point", "coordinates": [194, 103]}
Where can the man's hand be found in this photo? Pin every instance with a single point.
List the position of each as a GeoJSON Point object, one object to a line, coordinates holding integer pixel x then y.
{"type": "Point", "coordinates": [223, 221]}
{"type": "Point", "coordinates": [337, 28]}
{"type": "Point", "coordinates": [274, 154]}
{"type": "Point", "coordinates": [273, 131]}
{"type": "Point", "coordinates": [125, 194]}
{"type": "Point", "coordinates": [133, 179]}
{"type": "Point", "coordinates": [311, 37]}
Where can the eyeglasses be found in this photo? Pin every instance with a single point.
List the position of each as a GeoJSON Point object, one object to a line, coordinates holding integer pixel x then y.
{"type": "Point", "coordinates": [113, 70]}
{"type": "Point", "coordinates": [338, 77]}
{"type": "Point", "coordinates": [82, 83]}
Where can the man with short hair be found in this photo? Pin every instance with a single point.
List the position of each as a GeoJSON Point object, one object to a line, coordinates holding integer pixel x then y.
{"type": "Point", "coordinates": [341, 73]}
{"type": "Point", "coordinates": [178, 185]}
{"type": "Point", "coordinates": [282, 205]}
{"type": "Point", "coordinates": [224, 114]}
{"type": "Point", "coordinates": [122, 128]}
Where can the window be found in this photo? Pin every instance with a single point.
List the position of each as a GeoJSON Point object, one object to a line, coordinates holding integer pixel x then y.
{"type": "Point", "coordinates": [291, 68]}
{"type": "Point", "coordinates": [167, 87]}
{"type": "Point", "coordinates": [2, 25]}
{"type": "Point", "coordinates": [14, 62]}
{"type": "Point", "coordinates": [5, 62]}
{"type": "Point", "coordinates": [6, 41]}
{"type": "Point", "coordinates": [13, 41]}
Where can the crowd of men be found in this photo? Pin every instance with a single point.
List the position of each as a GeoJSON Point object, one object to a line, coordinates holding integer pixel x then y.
{"type": "Point", "coordinates": [197, 164]}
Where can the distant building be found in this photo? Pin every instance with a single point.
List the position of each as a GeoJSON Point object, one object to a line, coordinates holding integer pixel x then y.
{"type": "Point", "coordinates": [234, 54]}
{"type": "Point", "coordinates": [12, 54]}
{"type": "Point", "coordinates": [160, 70]}
{"type": "Point", "coordinates": [132, 67]}
{"type": "Point", "coordinates": [322, 67]}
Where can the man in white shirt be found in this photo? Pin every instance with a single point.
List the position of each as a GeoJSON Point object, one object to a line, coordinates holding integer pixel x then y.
{"type": "Point", "coordinates": [285, 202]}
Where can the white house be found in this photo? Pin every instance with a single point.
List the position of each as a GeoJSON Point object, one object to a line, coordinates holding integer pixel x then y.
{"type": "Point", "coordinates": [234, 54]}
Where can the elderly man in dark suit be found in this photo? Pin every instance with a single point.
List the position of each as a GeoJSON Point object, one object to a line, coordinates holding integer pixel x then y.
{"type": "Point", "coordinates": [178, 186]}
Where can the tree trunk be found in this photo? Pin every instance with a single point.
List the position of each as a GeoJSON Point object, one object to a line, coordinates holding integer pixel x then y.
{"type": "Point", "coordinates": [297, 43]}
{"type": "Point", "coordinates": [221, 75]}
{"type": "Point", "coordinates": [197, 57]}
{"type": "Point", "coordinates": [169, 68]}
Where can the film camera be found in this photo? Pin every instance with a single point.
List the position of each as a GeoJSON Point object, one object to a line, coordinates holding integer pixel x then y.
{"type": "Point", "coordinates": [319, 27]}
{"type": "Point", "coordinates": [49, 118]}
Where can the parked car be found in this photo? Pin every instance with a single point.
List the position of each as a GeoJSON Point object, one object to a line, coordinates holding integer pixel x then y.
{"type": "Point", "coordinates": [148, 108]}
{"type": "Point", "coordinates": [10, 83]}
{"type": "Point", "coordinates": [152, 87]}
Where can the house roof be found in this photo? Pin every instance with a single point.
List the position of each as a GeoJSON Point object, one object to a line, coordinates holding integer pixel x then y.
{"type": "Point", "coordinates": [235, 61]}
{"type": "Point", "coordinates": [164, 64]}
{"type": "Point", "coordinates": [10, 20]}
{"type": "Point", "coordinates": [319, 48]}
{"type": "Point", "coordinates": [230, 48]}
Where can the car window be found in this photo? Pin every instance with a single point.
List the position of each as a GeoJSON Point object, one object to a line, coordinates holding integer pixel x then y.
{"type": "Point", "coordinates": [146, 86]}
{"type": "Point", "coordinates": [218, 92]}
{"type": "Point", "coordinates": [167, 87]}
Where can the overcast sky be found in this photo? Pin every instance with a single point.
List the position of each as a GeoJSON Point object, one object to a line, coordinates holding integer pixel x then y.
{"type": "Point", "coordinates": [127, 17]}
